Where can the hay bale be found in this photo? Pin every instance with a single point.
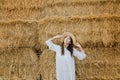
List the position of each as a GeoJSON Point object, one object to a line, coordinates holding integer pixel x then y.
{"type": "Point", "coordinates": [11, 4]}
{"type": "Point", "coordinates": [18, 34]}
{"type": "Point", "coordinates": [47, 65]}
{"type": "Point", "coordinates": [31, 13]}
{"type": "Point", "coordinates": [23, 10]}
{"type": "Point", "coordinates": [18, 64]}
{"type": "Point", "coordinates": [89, 31]}
{"type": "Point", "coordinates": [79, 8]}
{"type": "Point", "coordinates": [38, 9]}
{"type": "Point", "coordinates": [100, 63]}
{"type": "Point", "coordinates": [46, 2]}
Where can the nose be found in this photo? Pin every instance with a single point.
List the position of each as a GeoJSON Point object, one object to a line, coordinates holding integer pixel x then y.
{"type": "Point", "coordinates": [68, 39]}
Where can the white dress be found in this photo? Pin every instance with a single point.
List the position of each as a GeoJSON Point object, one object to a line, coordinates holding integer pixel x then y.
{"type": "Point", "coordinates": [65, 67]}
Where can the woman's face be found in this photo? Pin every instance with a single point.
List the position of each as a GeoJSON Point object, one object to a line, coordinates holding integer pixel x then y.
{"type": "Point", "coordinates": [67, 40]}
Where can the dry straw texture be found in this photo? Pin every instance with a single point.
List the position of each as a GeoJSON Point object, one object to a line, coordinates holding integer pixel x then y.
{"type": "Point", "coordinates": [37, 9]}
{"type": "Point", "coordinates": [25, 25]}
{"type": "Point", "coordinates": [17, 34]}
{"type": "Point", "coordinates": [79, 8]}
{"type": "Point", "coordinates": [18, 64]}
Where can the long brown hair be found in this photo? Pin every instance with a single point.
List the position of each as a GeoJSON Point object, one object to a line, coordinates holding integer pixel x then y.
{"type": "Point", "coordinates": [70, 46]}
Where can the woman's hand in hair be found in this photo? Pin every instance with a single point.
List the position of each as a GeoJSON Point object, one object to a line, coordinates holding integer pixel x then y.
{"type": "Point", "coordinates": [79, 46]}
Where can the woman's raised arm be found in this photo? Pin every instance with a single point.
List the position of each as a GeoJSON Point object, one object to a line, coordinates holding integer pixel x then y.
{"type": "Point", "coordinates": [51, 45]}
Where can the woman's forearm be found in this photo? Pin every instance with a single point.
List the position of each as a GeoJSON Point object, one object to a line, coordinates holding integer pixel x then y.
{"type": "Point", "coordinates": [80, 48]}
{"type": "Point", "coordinates": [52, 38]}
{"type": "Point", "coordinates": [55, 37]}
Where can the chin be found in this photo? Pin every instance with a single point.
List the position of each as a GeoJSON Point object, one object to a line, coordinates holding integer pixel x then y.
{"type": "Point", "coordinates": [68, 43]}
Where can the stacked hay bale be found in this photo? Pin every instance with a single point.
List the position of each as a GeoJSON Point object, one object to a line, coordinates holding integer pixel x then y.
{"type": "Point", "coordinates": [18, 39]}
{"type": "Point", "coordinates": [18, 59]}
{"type": "Point", "coordinates": [17, 64]}
{"type": "Point", "coordinates": [26, 25]}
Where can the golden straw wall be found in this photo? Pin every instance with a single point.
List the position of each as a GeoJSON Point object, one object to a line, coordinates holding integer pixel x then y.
{"type": "Point", "coordinates": [26, 25]}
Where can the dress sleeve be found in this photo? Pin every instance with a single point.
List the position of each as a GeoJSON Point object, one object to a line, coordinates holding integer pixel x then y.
{"type": "Point", "coordinates": [51, 45]}
{"type": "Point", "coordinates": [79, 54]}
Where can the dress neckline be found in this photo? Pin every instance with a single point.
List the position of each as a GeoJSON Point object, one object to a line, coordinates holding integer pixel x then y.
{"type": "Point", "coordinates": [65, 48]}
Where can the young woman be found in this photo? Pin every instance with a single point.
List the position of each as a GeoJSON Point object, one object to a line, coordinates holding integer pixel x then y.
{"type": "Point", "coordinates": [65, 67]}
